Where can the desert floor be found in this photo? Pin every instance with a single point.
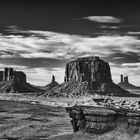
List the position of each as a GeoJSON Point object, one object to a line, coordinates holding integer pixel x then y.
{"type": "Point", "coordinates": [30, 117]}
{"type": "Point", "coordinates": [25, 121]}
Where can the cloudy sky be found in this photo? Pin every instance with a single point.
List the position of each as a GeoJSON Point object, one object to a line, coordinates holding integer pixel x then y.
{"type": "Point", "coordinates": [41, 37]}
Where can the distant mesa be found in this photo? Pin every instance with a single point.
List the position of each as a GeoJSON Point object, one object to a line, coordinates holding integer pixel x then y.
{"type": "Point", "coordinates": [15, 81]}
{"type": "Point", "coordinates": [9, 74]}
{"type": "Point", "coordinates": [88, 75]}
{"type": "Point", "coordinates": [124, 83]}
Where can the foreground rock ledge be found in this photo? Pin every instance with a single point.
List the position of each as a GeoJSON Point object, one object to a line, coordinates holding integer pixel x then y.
{"type": "Point", "coordinates": [98, 123]}
{"type": "Point", "coordinates": [101, 120]}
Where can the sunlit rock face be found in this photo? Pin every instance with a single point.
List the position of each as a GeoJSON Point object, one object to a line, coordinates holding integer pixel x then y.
{"type": "Point", "coordinates": [88, 75]}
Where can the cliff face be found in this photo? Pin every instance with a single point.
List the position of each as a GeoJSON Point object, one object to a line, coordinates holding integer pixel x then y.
{"type": "Point", "coordinates": [91, 69]}
{"type": "Point", "coordinates": [92, 123]}
{"type": "Point", "coordinates": [14, 81]}
{"type": "Point", "coordinates": [9, 74]}
{"type": "Point", "coordinates": [88, 75]}
{"type": "Point", "coordinates": [102, 120]}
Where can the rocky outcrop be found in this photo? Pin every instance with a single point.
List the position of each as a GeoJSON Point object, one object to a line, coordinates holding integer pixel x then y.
{"type": "Point", "coordinates": [92, 123]}
{"type": "Point", "coordinates": [98, 120]}
{"type": "Point", "coordinates": [15, 81]}
{"type": "Point", "coordinates": [88, 75]}
{"type": "Point", "coordinates": [124, 83]}
{"type": "Point", "coordinates": [51, 85]}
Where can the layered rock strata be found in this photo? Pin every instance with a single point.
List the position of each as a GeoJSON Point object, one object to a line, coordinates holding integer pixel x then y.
{"type": "Point", "coordinates": [91, 69]}
{"type": "Point", "coordinates": [99, 120]}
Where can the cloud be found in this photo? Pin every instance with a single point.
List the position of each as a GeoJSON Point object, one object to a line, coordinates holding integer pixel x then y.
{"type": "Point", "coordinates": [43, 53]}
{"type": "Point", "coordinates": [42, 76]}
{"type": "Point", "coordinates": [103, 19]}
{"type": "Point", "coordinates": [12, 29]}
{"type": "Point", "coordinates": [109, 27]}
{"type": "Point", "coordinates": [131, 64]}
{"type": "Point", "coordinates": [64, 46]}
{"type": "Point", "coordinates": [133, 33]}
{"type": "Point", "coordinates": [118, 57]}
{"type": "Point", "coordinates": [72, 45]}
{"type": "Point", "coordinates": [17, 67]}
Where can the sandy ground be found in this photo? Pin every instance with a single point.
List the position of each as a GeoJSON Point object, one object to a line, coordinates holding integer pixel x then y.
{"type": "Point", "coordinates": [28, 117]}
{"type": "Point", "coordinates": [24, 121]}
{"type": "Point", "coordinates": [31, 98]}
{"type": "Point", "coordinates": [130, 102]}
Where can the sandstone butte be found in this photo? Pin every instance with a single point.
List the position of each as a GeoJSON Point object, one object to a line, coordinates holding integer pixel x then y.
{"type": "Point", "coordinates": [12, 81]}
{"type": "Point", "coordinates": [88, 75]}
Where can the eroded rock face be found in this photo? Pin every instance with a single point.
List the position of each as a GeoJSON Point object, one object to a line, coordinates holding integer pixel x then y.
{"type": "Point", "coordinates": [10, 74]}
{"type": "Point", "coordinates": [14, 81]}
{"type": "Point", "coordinates": [91, 69]}
{"type": "Point", "coordinates": [88, 75]}
{"type": "Point", "coordinates": [102, 120]}
{"type": "Point", "coordinates": [93, 120]}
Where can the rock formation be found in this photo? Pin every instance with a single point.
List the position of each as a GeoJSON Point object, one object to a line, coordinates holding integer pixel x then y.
{"type": "Point", "coordinates": [98, 120]}
{"type": "Point", "coordinates": [51, 85]}
{"type": "Point", "coordinates": [88, 75]}
{"type": "Point", "coordinates": [9, 74]}
{"type": "Point", "coordinates": [15, 81]}
{"type": "Point", "coordinates": [91, 69]}
{"type": "Point", "coordinates": [124, 83]}
{"type": "Point", "coordinates": [98, 123]}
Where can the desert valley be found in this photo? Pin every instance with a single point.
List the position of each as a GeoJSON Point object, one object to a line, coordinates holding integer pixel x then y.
{"type": "Point", "coordinates": [88, 96]}
{"type": "Point", "coordinates": [69, 70]}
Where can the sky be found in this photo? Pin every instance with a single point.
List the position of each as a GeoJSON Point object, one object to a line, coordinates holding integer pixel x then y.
{"type": "Point", "coordinates": [40, 37]}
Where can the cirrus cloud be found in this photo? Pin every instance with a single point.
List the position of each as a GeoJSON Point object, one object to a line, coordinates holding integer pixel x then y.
{"type": "Point", "coordinates": [64, 46]}
{"type": "Point", "coordinates": [103, 19]}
